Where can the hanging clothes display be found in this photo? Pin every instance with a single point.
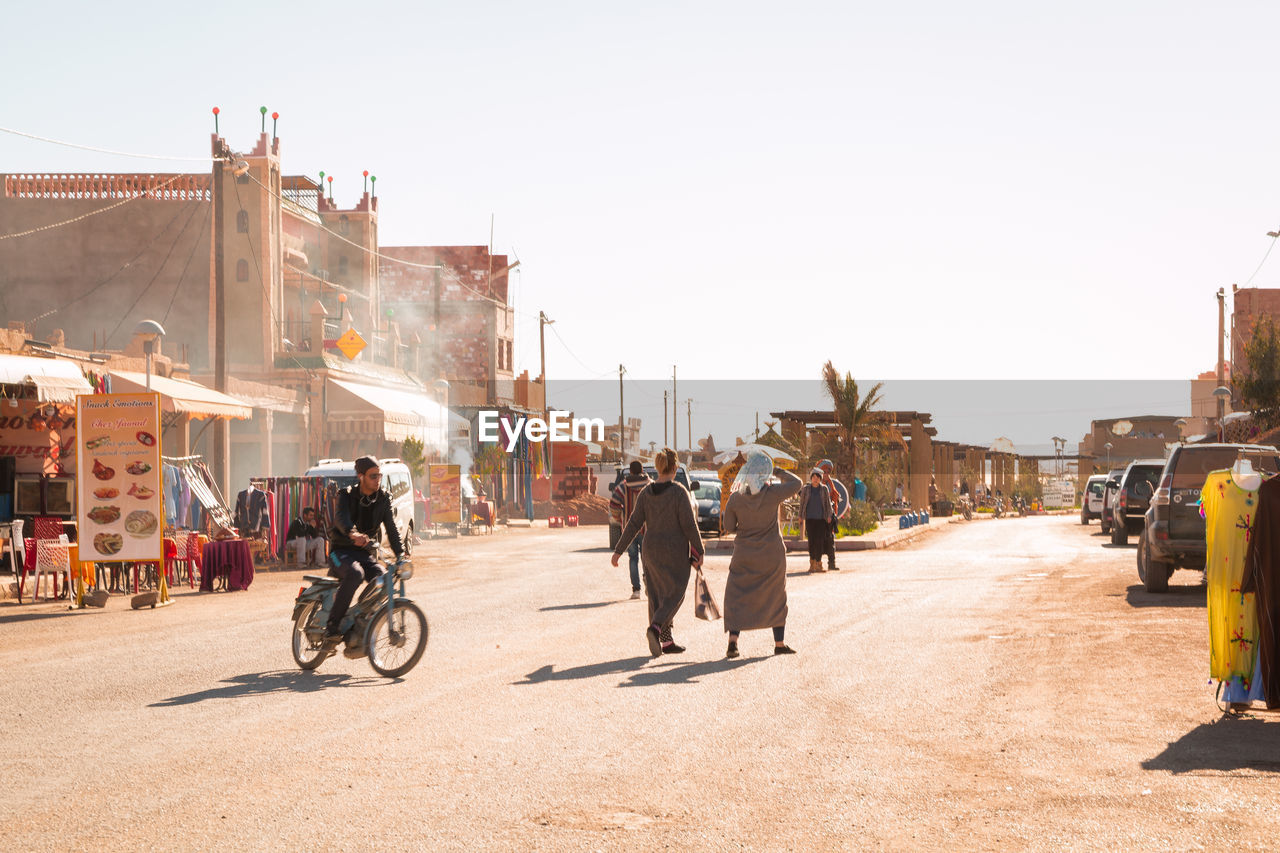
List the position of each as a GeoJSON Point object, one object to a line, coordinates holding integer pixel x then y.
{"type": "Point", "coordinates": [1229, 512]}
{"type": "Point", "coordinates": [1262, 580]}
{"type": "Point", "coordinates": [208, 509]}
{"type": "Point", "coordinates": [290, 495]}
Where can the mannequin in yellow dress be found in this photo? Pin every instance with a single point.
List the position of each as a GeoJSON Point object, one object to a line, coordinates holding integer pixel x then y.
{"type": "Point", "coordinates": [1228, 503]}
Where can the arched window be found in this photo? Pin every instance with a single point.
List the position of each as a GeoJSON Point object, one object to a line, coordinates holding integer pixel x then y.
{"type": "Point", "coordinates": [344, 224]}
{"type": "Point", "coordinates": [342, 266]}
{"type": "Point", "coordinates": [242, 222]}
{"type": "Point", "coordinates": [242, 270]}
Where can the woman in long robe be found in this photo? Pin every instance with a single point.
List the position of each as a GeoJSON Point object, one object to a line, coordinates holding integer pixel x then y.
{"type": "Point", "coordinates": [671, 546]}
{"type": "Point", "coordinates": [755, 596]}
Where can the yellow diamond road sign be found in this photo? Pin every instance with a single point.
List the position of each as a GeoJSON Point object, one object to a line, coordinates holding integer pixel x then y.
{"type": "Point", "coordinates": [350, 343]}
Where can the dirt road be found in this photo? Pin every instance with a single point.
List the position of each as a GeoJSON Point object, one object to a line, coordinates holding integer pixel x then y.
{"type": "Point", "coordinates": [1000, 685]}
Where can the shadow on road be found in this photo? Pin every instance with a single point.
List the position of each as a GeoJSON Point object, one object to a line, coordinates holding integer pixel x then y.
{"type": "Point", "coordinates": [10, 618]}
{"type": "Point", "coordinates": [688, 673]}
{"type": "Point", "coordinates": [588, 606]}
{"type": "Point", "coordinates": [282, 681]}
{"type": "Point", "coordinates": [1177, 596]}
{"type": "Point", "coordinates": [601, 550]}
{"type": "Point", "coordinates": [591, 670]}
{"type": "Point", "coordinates": [1231, 743]}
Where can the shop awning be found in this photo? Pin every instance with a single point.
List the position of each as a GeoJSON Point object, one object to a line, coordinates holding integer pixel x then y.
{"type": "Point", "coordinates": [56, 380]}
{"type": "Point", "coordinates": [182, 396]}
{"type": "Point", "coordinates": [392, 414]}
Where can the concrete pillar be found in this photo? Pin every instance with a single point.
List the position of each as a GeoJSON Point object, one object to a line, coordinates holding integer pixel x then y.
{"type": "Point", "coordinates": [266, 421]}
{"type": "Point", "coordinates": [315, 418]}
{"type": "Point", "coordinates": [178, 437]}
{"type": "Point", "coordinates": [921, 462]}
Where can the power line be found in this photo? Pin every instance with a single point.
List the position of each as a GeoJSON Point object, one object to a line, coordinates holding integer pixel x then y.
{"type": "Point", "coordinates": [156, 276]}
{"type": "Point", "coordinates": [455, 278]}
{"type": "Point", "coordinates": [195, 244]}
{"type": "Point", "coordinates": [82, 216]}
{"type": "Point", "coordinates": [103, 150]}
{"type": "Point", "coordinates": [1273, 235]}
{"type": "Point", "coordinates": [275, 320]}
{"type": "Point", "coordinates": [449, 273]}
{"type": "Point", "coordinates": [585, 366]}
{"type": "Point", "coordinates": [111, 277]}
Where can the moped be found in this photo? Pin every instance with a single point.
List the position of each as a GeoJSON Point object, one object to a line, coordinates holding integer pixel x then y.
{"type": "Point", "coordinates": [381, 623]}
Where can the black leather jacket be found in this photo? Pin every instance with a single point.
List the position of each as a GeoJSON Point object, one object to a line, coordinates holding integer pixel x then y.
{"type": "Point", "coordinates": [365, 515]}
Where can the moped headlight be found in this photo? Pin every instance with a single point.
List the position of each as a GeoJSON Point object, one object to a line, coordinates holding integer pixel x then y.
{"type": "Point", "coordinates": [405, 571]}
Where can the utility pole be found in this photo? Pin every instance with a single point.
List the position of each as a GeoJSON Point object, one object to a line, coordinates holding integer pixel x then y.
{"type": "Point", "coordinates": [664, 420]}
{"type": "Point", "coordinates": [622, 423]}
{"type": "Point", "coordinates": [543, 322]}
{"type": "Point", "coordinates": [221, 428]}
{"type": "Point", "coordinates": [1221, 398]}
{"type": "Point", "coordinates": [688, 407]}
{"type": "Point", "coordinates": [675, 412]}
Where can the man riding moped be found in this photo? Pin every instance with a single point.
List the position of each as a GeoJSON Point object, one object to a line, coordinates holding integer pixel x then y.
{"type": "Point", "coordinates": [362, 509]}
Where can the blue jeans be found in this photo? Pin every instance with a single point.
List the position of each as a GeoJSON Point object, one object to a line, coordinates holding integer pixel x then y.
{"type": "Point", "coordinates": [633, 554]}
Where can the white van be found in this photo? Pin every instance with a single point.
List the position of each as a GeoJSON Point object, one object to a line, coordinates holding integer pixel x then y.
{"type": "Point", "coordinates": [396, 480]}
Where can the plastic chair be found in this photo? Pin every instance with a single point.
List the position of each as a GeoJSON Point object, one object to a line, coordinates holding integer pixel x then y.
{"type": "Point", "coordinates": [53, 558]}
{"type": "Point", "coordinates": [42, 558]}
{"type": "Point", "coordinates": [17, 551]}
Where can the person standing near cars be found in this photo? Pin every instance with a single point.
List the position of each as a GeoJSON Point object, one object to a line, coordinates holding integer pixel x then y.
{"type": "Point", "coordinates": [672, 544]}
{"type": "Point", "coordinates": [755, 595]}
{"type": "Point", "coordinates": [815, 509]}
{"type": "Point", "coordinates": [621, 506]}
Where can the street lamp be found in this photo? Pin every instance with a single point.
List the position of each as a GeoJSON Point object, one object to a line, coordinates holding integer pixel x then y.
{"type": "Point", "coordinates": [1059, 444]}
{"type": "Point", "coordinates": [1108, 447]}
{"type": "Point", "coordinates": [1223, 393]}
{"type": "Point", "coordinates": [1180, 423]}
{"type": "Point", "coordinates": [151, 332]}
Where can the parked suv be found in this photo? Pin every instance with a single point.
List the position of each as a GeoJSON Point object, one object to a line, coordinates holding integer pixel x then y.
{"type": "Point", "coordinates": [682, 477]}
{"type": "Point", "coordinates": [1091, 505]}
{"type": "Point", "coordinates": [1109, 489]}
{"type": "Point", "coordinates": [1128, 508]}
{"type": "Point", "coordinates": [1174, 535]}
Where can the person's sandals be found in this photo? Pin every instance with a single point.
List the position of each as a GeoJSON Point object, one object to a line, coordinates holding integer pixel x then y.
{"type": "Point", "coordinates": [733, 651]}
{"type": "Point", "coordinates": [635, 594]}
{"type": "Point", "coordinates": [783, 650]}
{"type": "Point", "coordinates": [672, 649]}
{"type": "Point", "coordinates": [655, 645]}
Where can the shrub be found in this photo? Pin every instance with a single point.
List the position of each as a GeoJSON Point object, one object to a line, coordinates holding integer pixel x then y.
{"type": "Point", "coordinates": [861, 518]}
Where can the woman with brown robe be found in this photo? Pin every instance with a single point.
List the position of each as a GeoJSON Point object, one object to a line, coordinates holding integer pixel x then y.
{"type": "Point", "coordinates": [755, 596]}
{"type": "Point", "coordinates": [672, 544]}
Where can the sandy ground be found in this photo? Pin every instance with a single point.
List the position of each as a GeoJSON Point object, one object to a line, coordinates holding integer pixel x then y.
{"type": "Point", "coordinates": [997, 685]}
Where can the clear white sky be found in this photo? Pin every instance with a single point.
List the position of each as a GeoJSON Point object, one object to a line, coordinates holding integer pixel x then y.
{"type": "Point", "coordinates": [920, 191]}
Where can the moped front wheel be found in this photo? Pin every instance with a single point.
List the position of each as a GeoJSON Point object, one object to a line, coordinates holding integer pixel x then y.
{"type": "Point", "coordinates": [395, 646]}
{"type": "Point", "coordinates": [307, 653]}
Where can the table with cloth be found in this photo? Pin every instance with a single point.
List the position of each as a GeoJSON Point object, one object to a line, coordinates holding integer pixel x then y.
{"type": "Point", "coordinates": [229, 562]}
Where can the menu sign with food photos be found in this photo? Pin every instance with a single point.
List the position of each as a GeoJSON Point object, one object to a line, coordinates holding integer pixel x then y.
{"type": "Point", "coordinates": [118, 465]}
{"type": "Point", "coordinates": [444, 484]}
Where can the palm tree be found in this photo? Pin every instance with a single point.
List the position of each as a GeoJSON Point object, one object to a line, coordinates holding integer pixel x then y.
{"type": "Point", "coordinates": [855, 420]}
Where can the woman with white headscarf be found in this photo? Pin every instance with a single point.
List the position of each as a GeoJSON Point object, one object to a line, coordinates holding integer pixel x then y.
{"type": "Point", "coordinates": [755, 596]}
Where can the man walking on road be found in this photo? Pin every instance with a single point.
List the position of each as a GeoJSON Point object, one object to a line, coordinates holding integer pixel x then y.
{"type": "Point", "coordinates": [620, 507]}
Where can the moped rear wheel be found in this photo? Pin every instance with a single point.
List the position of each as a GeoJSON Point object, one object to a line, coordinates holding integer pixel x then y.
{"type": "Point", "coordinates": [308, 655]}
{"type": "Point", "coordinates": [396, 646]}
